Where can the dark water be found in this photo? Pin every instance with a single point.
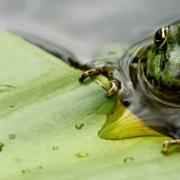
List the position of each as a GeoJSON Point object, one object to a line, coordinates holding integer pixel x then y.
{"type": "Point", "coordinates": [83, 27]}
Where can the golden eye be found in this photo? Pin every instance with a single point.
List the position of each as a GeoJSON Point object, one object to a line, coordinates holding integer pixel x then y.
{"type": "Point", "coordinates": [160, 37]}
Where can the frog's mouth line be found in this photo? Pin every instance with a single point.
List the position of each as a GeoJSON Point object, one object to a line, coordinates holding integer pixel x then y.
{"type": "Point", "coordinates": [163, 95]}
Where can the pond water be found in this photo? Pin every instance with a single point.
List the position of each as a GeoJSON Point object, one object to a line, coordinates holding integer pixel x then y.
{"type": "Point", "coordinates": [82, 27]}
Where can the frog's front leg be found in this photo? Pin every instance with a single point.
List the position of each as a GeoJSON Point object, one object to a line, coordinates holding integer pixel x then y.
{"type": "Point", "coordinates": [168, 143]}
{"type": "Point", "coordinates": [106, 71]}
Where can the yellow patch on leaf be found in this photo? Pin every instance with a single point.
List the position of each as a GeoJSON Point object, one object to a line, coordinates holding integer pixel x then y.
{"type": "Point", "coordinates": [121, 123]}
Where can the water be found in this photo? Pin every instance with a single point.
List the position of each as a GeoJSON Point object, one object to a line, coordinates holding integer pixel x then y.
{"type": "Point", "coordinates": [82, 27]}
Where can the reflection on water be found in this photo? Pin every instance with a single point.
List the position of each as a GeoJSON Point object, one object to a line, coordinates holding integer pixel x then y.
{"type": "Point", "coordinates": [83, 27]}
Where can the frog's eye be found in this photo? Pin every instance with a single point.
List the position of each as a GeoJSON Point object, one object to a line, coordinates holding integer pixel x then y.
{"type": "Point", "coordinates": [160, 37]}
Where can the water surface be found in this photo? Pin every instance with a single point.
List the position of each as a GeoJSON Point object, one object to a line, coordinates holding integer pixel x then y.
{"type": "Point", "coordinates": [83, 27]}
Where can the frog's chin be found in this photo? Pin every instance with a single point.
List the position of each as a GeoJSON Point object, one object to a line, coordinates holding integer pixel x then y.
{"type": "Point", "coordinates": [163, 95]}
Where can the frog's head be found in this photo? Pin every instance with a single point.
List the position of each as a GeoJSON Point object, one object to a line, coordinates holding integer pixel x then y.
{"type": "Point", "coordinates": [162, 67]}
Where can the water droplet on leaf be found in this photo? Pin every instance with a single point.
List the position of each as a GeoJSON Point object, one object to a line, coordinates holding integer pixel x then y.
{"type": "Point", "coordinates": [24, 171]}
{"type": "Point", "coordinates": [12, 136]}
{"type": "Point", "coordinates": [55, 148]}
{"type": "Point", "coordinates": [79, 126]}
{"type": "Point", "coordinates": [128, 159]}
{"type": "Point", "coordinates": [40, 167]}
{"type": "Point", "coordinates": [82, 154]}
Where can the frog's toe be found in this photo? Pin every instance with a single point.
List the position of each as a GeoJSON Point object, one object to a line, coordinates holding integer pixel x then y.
{"type": "Point", "coordinates": [168, 143]}
{"type": "Point", "coordinates": [165, 147]}
{"type": "Point", "coordinates": [115, 85]}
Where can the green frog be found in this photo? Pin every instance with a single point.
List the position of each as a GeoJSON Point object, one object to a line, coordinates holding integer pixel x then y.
{"type": "Point", "coordinates": [146, 79]}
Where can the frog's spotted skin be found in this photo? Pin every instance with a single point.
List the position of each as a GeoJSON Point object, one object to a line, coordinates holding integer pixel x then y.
{"type": "Point", "coordinates": [148, 77]}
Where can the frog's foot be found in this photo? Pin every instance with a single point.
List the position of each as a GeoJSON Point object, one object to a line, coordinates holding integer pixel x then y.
{"type": "Point", "coordinates": [168, 143]}
{"type": "Point", "coordinates": [93, 72]}
{"type": "Point", "coordinates": [115, 85]}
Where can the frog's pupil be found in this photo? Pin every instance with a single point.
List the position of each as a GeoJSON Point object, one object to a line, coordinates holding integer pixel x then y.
{"type": "Point", "coordinates": [158, 39]}
{"type": "Point", "coordinates": [158, 35]}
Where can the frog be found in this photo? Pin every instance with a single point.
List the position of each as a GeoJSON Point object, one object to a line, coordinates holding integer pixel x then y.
{"type": "Point", "coordinates": [146, 79]}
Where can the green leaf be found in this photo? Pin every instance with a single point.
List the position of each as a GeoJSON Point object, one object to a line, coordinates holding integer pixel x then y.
{"type": "Point", "coordinates": [49, 124]}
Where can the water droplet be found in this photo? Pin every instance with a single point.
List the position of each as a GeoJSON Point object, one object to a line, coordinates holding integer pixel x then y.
{"type": "Point", "coordinates": [128, 159]}
{"type": "Point", "coordinates": [1, 146]}
{"type": "Point", "coordinates": [24, 171]}
{"type": "Point", "coordinates": [39, 167]}
{"type": "Point", "coordinates": [82, 154]}
{"type": "Point", "coordinates": [12, 136]}
{"type": "Point", "coordinates": [6, 88]}
{"type": "Point", "coordinates": [55, 148]}
{"type": "Point", "coordinates": [79, 126]}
